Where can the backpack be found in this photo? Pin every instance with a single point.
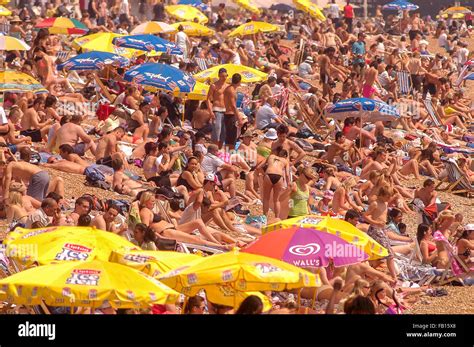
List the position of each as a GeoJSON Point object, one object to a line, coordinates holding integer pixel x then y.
{"type": "Point", "coordinates": [95, 178]}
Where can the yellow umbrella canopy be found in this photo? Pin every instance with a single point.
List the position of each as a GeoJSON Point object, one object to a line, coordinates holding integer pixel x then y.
{"type": "Point", "coordinates": [153, 28]}
{"type": "Point", "coordinates": [199, 92]}
{"type": "Point", "coordinates": [85, 284]}
{"type": "Point", "coordinates": [226, 295]}
{"type": "Point", "coordinates": [457, 9]}
{"type": "Point", "coordinates": [243, 271]}
{"type": "Point", "coordinates": [9, 43]}
{"type": "Point", "coordinates": [253, 28]}
{"type": "Point", "coordinates": [19, 82]}
{"type": "Point", "coordinates": [311, 8]}
{"type": "Point", "coordinates": [194, 29]}
{"type": "Point", "coordinates": [249, 75]}
{"type": "Point", "coordinates": [186, 13]}
{"type": "Point", "coordinates": [337, 227]}
{"type": "Point", "coordinates": [248, 5]}
{"type": "Point", "coordinates": [65, 244]}
{"type": "Point", "coordinates": [102, 42]}
{"type": "Point", "coordinates": [5, 11]}
{"type": "Point", "coordinates": [153, 263]}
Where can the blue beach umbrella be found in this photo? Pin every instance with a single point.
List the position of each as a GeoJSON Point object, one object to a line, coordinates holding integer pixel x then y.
{"type": "Point", "coordinates": [195, 3]}
{"type": "Point", "coordinates": [161, 76]}
{"type": "Point", "coordinates": [147, 42]}
{"type": "Point", "coordinates": [368, 109]}
{"type": "Point", "coordinates": [93, 61]}
{"type": "Point", "coordinates": [400, 5]}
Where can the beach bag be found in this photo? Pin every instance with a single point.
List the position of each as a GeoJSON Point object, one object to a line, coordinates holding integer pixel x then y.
{"type": "Point", "coordinates": [95, 178]}
{"type": "Point", "coordinates": [166, 244]}
{"type": "Point", "coordinates": [256, 221]}
{"type": "Point", "coordinates": [104, 111]}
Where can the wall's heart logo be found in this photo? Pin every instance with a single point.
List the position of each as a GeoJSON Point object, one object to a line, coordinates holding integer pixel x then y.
{"type": "Point", "coordinates": [304, 250]}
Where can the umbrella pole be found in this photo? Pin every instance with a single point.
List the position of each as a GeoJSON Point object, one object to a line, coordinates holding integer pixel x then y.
{"type": "Point", "coordinates": [184, 110]}
{"type": "Point", "coordinates": [299, 296]}
{"type": "Point", "coordinates": [184, 304]}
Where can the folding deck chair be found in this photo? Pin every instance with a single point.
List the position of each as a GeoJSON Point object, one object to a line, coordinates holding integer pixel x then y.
{"type": "Point", "coordinates": [404, 82]}
{"type": "Point", "coordinates": [458, 183]}
{"type": "Point", "coordinates": [430, 109]}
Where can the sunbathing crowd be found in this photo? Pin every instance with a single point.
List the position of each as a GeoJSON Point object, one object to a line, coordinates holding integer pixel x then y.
{"type": "Point", "coordinates": [254, 154]}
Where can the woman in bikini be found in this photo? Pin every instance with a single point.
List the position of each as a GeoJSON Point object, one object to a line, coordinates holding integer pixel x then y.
{"type": "Point", "coordinates": [157, 166]}
{"type": "Point", "coordinates": [138, 122]}
{"type": "Point", "coordinates": [275, 174]}
{"type": "Point", "coordinates": [332, 182]}
{"type": "Point", "coordinates": [441, 236]}
{"type": "Point", "coordinates": [192, 177]}
{"type": "Point", "coordinates": [427, 246]}
{"type": "Point", "coordinates": [16, 213]}
{"type": "Point", "coordinates": [465, 245]}
{"type": "Point", "coordinates": [194, 231]}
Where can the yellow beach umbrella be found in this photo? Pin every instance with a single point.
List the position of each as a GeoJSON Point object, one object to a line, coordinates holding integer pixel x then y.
{"type": "Point", "coordinates": [5, 11]}
{"type": "Point", "coordinates": [456, 9]}
{"type": "Point", "coordinates": [248, 5]}
{"type": "Point", "coordinates": [66, 244]}
{"type": "Point", "coordinates": [334, 226]}
{"type": "Point", "coordinates": [102, 42]}
{"type": "Point", "coordinates": [19, 82]}
{"type": "Point", "coordinates": [253, 28]}
{"type": "Point", "coordinates": [9, 43]}
{"type": "Point", "coordinates": [226, 295]}
{"type": "Point", "coordinates": [453, 15]}
{"type": "Point", "coordinates": [311, 8]}
{"type": "Point", "coordinates": [186, 13]}
{"type": "Point", "coordinates": [85, 284]}
{"type": "Point", "coordinates": [194, 29]}
{"type": "Point", "coordinates": [199, 92]}
{"type": "Point", "coordinates": [153, 28]}
{"type": "Point", "coordinates": [249, 75]}
{"type": "Point", "coordinates": [153, 263]}
{"type": "Point", "coordinates": [242, 271]}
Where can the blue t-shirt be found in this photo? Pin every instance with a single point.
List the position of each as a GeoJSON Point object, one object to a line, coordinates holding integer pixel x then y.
{"type": "Point", "coordinates": [358, 48]}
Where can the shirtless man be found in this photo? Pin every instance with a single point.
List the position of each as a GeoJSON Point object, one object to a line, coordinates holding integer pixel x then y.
{"type": "Point", "coordinates": [71, 133]}
{"type": "Point", "coordinates": [355, 132]}
{"type": "Point", "coordinates": [37, 179]}
{"type": "Point", "coordinates": [216, 107]}
{"type": "Point", "coordinates": [427, 194]}
{"type": "Point", "coordinates": [232, 114]}
{"type": "Point", "coordinates": [337, 149]}
{"type": "Point", "coordinates": [369, 89]}
{"type": "Point", "coordinates": [81, 208]}
{"type": "Point", "coordinates": [71, 163]}
{"type": "Point", "coordinates": [376, 216]}
{"type": "Point", "coordinates": [106, 220]}
{"type": "Point", "coordinates": [325, 71]}
{"type": "Point", "coordinates": [107, 147]}
{"type": "Point", "coordinates": [30, 122]}
{"type": "Point", "coordinates": [202, 119]}
{"type": "Point", "coordinates": [121, 183]}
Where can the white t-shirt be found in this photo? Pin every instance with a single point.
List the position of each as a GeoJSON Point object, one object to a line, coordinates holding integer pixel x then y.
{"type": "Point", "coordinates": [463, 53]}
{"type": "Point", "coordinates": [334, 10]}
{"type": "Point", "coordinates": [210, 164]}
{"type": "Point", "coordinates": [3, 116]}
{"type": "Point", "coordinates": [443, 40]}
{"type": "Point", "coordinates": [181, 40]}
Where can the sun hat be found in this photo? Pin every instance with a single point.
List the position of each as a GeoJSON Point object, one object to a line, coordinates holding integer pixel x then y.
{"type": "Point", "coordinates": [328, 194]}
{"type": "Point", "coordinates": [212, 178]}
{"type": "Point", "coordinates": [271, 134]}
{"type": "Point", "coordinates": [110, 125]}
{"type": "Point", "coordinates": [15, 19]}
{"type": "Point", "coordinates": [309, 60]}
{"type": "Point", "coordinates": [469, 227]}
